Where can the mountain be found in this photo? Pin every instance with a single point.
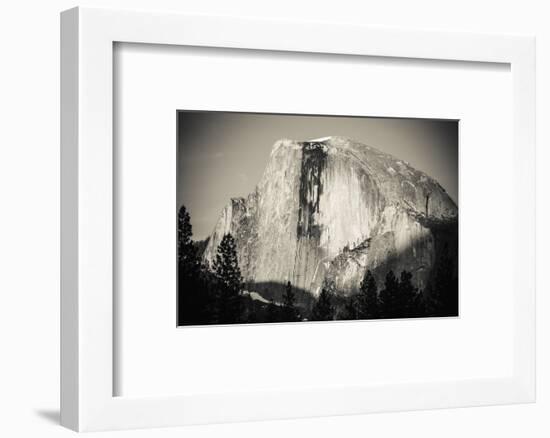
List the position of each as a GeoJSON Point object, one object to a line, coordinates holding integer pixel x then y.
{"type": "Point", "coordinates": [327, 210]}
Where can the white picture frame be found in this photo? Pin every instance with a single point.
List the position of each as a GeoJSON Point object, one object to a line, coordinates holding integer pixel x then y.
{"type": "Point", "coordinates": [87, 344]}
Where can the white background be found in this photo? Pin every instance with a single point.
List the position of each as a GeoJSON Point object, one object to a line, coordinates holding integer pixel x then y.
{"type": "Point", "coordinates": [198, 360]}
{"type": "Point", "coordinates": [29, 223]}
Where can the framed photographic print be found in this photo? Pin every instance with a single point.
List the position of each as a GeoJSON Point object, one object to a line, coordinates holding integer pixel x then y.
{"type": "Point", "coordinates": [319, 223]}
{"type": "Point", "coordinates": [257, 227]}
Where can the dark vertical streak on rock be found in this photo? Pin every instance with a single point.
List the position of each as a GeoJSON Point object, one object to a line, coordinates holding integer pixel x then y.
{"type": "Point", "coordinates": [308, 230]}
{"type": "Point", "coordinates": [311, 188]}
{"type": "Point", "coordinates": [427, 204]}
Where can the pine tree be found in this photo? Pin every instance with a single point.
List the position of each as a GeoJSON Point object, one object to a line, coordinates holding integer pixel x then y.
{"type": "Point", "coordinates": [289, 311]}
{"type": "Point", "coordinates": [419, 305]}
{"type": "Point", "coordinates": [388, 296]}
{"type": "Point", "coordinates": [229, 283]}
{"type": "Point", "coordinates": [431, 303]}
{"type": "Point", "coordinates": [323, 309]}
{"type": "Point", "coordinates": [350, 308]}
{"type": "Point", "coordinates": [406, 296]}
{"type": "Point", "coordinates": [445, 290]}
{"type": "Point", "coordinates": [192, 293]}
{"type": "Point", "coordinates": [368, 297]}
{"type": "Point", "coordinates": [187, 252]}
{"type": "Point", "coordinates": [251, 310]}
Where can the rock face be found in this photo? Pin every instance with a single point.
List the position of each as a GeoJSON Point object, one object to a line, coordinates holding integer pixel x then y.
{"type": "Point", "coordinates": [331, 208]}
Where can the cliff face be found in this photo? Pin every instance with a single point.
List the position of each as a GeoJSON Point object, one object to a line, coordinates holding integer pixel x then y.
{"type": "Point", "coordinates": [332, 208]}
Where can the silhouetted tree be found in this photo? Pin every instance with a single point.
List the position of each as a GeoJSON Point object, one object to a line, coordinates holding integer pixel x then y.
{"type": "Point", "coordinates": [229, 282]}
{"type": "Point", "coordinates": [405, 305]}
{"type": "Point", "coordinates": [250, 314]}
{"type": "Point", "coordinates": [368, 297]}
{"type": "Point", "coordinates": [350, 308]}
{"type": "Point", "coordinates": [187, 252]}
{"type": "Point", "coordinates": [431, 302]}
{"type": "Point", "coordinates": [323, 309]}
{"type": "Point", "coordinates": [289, 311]}
{"type": "Point", "coordinates": [193, 303]}
{"type": "Point", "coordinates": [445, 288]}
{"type": "Point", "coordinates": [388, 296]}
{"type": "Point", "coordinates": [419, 305]}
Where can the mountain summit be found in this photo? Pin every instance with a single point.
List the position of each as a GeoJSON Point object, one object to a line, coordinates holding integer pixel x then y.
{"type": "Point", "coordinates": [329, 209]}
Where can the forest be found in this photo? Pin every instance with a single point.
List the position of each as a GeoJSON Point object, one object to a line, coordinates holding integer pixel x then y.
{"type": "Point", "coordinates": [217, 294]}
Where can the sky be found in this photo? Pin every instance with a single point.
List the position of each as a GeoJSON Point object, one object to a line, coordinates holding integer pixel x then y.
{"type": "Point", "coordinates": [222, 155]}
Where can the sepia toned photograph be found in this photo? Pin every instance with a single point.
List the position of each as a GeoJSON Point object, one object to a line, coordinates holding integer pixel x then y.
{"type": "Point", "coordinates": [296, 218]}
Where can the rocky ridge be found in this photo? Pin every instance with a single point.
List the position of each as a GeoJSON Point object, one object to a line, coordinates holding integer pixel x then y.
{"type": "Point", "coordinates": [327, 210]}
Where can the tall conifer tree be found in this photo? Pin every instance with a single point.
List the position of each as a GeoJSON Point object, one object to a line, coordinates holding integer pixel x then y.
{"type": "Point", "coordinates": [406, 296]}
{"type": "Point", "coordinates": [323, 310]}
{"type": "Point", "coordinates": [388, 296]}
{"type": "Point", "coordinates": [289, 311]}
{"type": "Point", "coordinates": [229, 282]}
{"type": "Point", "coordinates": [445, 293]}
{"type": "Point", "coordinates": [192, 297]}
{"type": "Point", "coordinates": [187, 253]}
{"type": "Point", "coordinates": [368, 297]}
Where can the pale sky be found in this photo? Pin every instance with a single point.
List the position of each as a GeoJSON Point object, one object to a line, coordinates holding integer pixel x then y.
{"type": "Point", "coordinates": [223, 155]}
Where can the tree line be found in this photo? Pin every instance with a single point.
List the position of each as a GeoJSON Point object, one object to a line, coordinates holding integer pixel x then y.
{"type": "Point", "coordinates": [216, 294]}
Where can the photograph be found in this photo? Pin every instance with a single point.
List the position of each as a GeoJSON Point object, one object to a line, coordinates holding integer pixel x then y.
{"type": "Point", "coordinates": [297, 218]}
